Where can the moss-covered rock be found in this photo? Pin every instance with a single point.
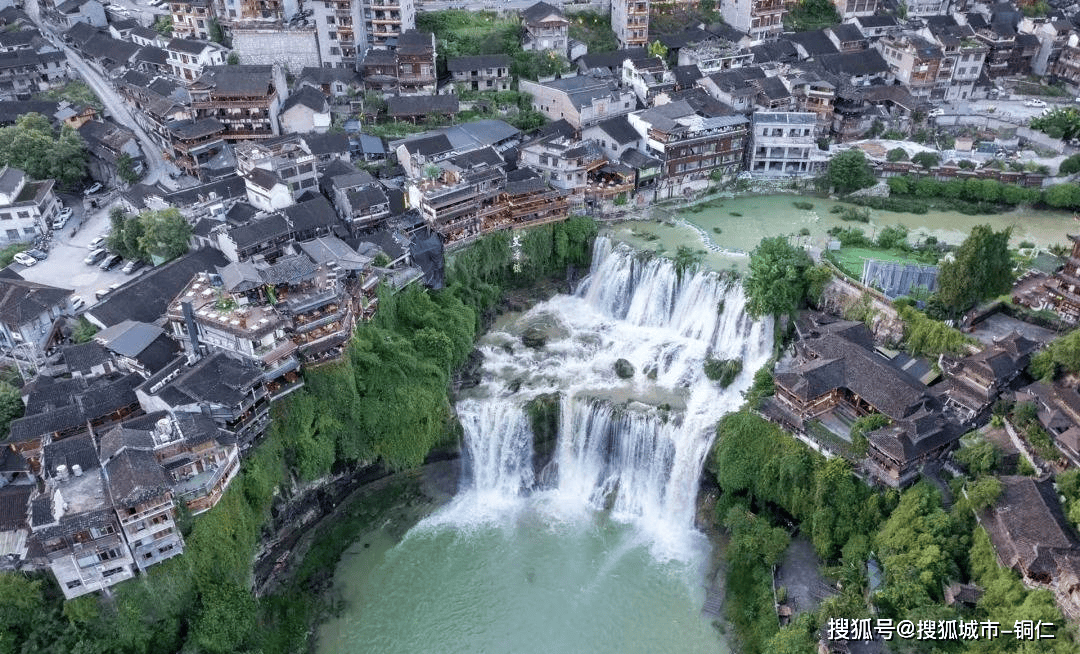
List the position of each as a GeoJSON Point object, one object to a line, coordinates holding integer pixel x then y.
{"type": "Point", "coordinates": [534, 337]}
{"type": "Point", "coordinates": [723, 371]}
{"type": "Point", "coordinates": [624, 369]}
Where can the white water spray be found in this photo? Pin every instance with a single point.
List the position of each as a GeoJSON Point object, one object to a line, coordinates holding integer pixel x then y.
{"type": "Point", "coordinates": [635, 446]}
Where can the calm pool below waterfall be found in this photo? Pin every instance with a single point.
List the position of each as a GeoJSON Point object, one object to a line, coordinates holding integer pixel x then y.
{"type": "Point", "coordinates": [595, 549]}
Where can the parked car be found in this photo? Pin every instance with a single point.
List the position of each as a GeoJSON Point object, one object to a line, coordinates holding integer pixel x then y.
{"type": "Point", "coordinates": [1034, 103]}
{"type": "Point", "coordinates": [60, 221]}
{"type": "Point", "coordinates": [93, 189]}
{"type": "Point", "coordinates": [77, 303]}
{"type": "Point", "coordinates": [110, 262]}
{"type": "Point", "coordinates": [934, 113]}
{"type": "Point", "coordinates": [95, 256]}
{"type": "Point", "coordinates": [65, 213]}
{"type": "Point", "coordinates": [25, 259]}
{"type": "Point", "coordinates": [96, 243]}
{"type": "Point", "coordinates": [40, 255]}
{"type": "Point", "coordinates": [102, 292]}
{"type": "Point", "coordinates": [131, 266]}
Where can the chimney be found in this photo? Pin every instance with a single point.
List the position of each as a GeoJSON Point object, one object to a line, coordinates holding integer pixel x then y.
{"type": "Point", "coordinates": [76, 470]}
{"type": "Point", "coordinates": [62, 472]}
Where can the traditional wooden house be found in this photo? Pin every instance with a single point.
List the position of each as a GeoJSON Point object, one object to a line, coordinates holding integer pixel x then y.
{"type": "Point", "coordinates": [975, 381]}
{"type": "Point", "coordinates": [1031, 535]}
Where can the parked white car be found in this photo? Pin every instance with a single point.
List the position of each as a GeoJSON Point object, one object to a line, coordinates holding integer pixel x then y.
{"type": "Point", "coordinates": [25, 259]}
{"type": "Point", "coordinates": [934, 113]}
{"type": "Point", "coordinates": [1034, 103]}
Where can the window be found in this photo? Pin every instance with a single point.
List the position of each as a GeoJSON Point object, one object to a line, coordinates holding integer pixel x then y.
{"type": "Point", "coordinates": [13, 234]}
{"type": "Point", "coordinates": [109, 573]}
{"type": "Point", "coordinates": [332, 35]}
{"type": "Point", "coordinates": [329, 20]}
{"type": "Point", "coordinates": [24, 214]}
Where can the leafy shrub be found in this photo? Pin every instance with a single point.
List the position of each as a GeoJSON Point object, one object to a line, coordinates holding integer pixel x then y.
{"type": "Point", "coordinates": [723, 371]}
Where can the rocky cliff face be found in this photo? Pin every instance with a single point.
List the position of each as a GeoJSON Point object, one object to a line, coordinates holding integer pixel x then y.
{"type": "Point", "coordinates": [845, 298]}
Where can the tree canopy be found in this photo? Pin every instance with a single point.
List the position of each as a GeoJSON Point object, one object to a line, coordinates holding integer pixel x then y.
{"type": "Point", "coordinates": [152, 236]}
{"type": "Point", "coordinates": [32, 146]}
{"type": "Point", "coordinates": [982, 268]}
{"type": "Point", "coordinates": [849, 171]}
{"type": "Point", "coordinates": [809, 15]}
{"type": "Point", "coordinates": [777, 280]}
{"type": "Point", "coordinates": [1060, 123]}
{"type": "Point", "coordinates": [1062, 355]}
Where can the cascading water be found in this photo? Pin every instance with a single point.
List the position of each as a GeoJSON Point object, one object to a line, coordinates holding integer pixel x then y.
{"type": "Point", "coordinates": [635, 446]}
{"type": "Point", "coordinates": [578, 537]}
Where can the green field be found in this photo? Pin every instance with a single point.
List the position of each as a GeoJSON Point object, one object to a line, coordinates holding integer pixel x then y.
{"type": "Point", "coordinates": [851, 259]}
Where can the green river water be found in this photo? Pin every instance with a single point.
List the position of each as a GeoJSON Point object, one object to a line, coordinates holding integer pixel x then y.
{"type": "Point", "coordinates": [532, 583]}
{"type": "Point", "coordinates": [525, 585]}
{"type": "Point", "coordinates": [773, 215]}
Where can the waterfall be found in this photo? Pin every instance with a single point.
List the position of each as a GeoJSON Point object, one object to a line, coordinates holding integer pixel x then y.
{"type": "Point", "coordinates": [632, 446]}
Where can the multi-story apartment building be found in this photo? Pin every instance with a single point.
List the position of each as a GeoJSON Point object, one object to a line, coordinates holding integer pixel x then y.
{"type": "Point", "coordinates": [481, 73]}
{"type": "Point", "coordinates": [75, 521]}
{"type": "Point", "coordinates": [851, 8]}
{"type": "Point", "coordinates": [335, 27]}
{"type": "Point", "coordinates": [416, 63]}
{"type": "Point", "coordinates": [783, 143]}
{"type": "Point", "coordinates": [25, 72]}
{"type": "Point", "coordinates": [26, 208]}
{"type": "Point", "coordinates": [188, 58]}
{"type": "Point", "coordinates": [649, 77]}
{"type": "Point", "coordinates": [581, 100]}
{"type": "Point", "coordinates": [918, 8]}
{"type": "Point", "coordinates": [762, 19]}
{"type": "Point", "coordinates": [563, 162]}
{"type": "Point", "coordinates": [691, 146]}
{"type": "Point", "coordinates": [545, 27]}
{"type": "Point", "coordinates": [1067, 66]}
{"type": "Point", "coordinates": [191, 19]}
{"type": "Point", "coordinates": [630, 22]}
{"type": "Point", "coordinates": [242, 98]}
{"type": "Point", "coordinates": [918, 64]}
{"type": "Point", "coordinates": [386, 20]}
{"type": "Point", "coordinates": [288, 157]}
{"type": "Point", "coordinates": [232, 12]}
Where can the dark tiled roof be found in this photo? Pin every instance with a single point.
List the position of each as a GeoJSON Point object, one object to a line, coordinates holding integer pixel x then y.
{"type": "Point", "coordinates": [135, 476]}
{"type": "Point", "coordinates": [366, 197]}
{"type": "Point", "coordinates": [307, 96]}
{"type": "Point", "coordinates": [198, 428]}
{"type": "Point", "coordinates": [876, 21]}
{"type": "Point", "coordinates": [321, 75]}
{"type": "Point", "coordinates": [1027, 524]}
{"type": "Point", "coordinates": [420, 105]}
{"type": "Point", "coordinates": [846, 32]}
{"type": "Point", "coordinates": [619, 130]}
{"type": "Point", "coordinates": [14, 506]}
{"type": "Point", "coordinates": [478, 62]}
{"type": "Point", "coordinates": [260, 231]}
{"type": "Point", "coordinates": [84, 356]}
{"type": "Point", "coordinates": [22, 301]}
{"type": "Point", "coordinates": [10, 110]}
{"type": "Point", "coordinates": [264, 179]}
{"type": "Point", "coordinates": [188, 46]}
{"type": "Point", "coordinates": [224, 189]}
{"type": "Point", "coordinates": [611, 59]}
{"type": "Point", "coordinates": [685, 76]}
{"type": "Point", "coordinates": [866, 62]}
{"type": "Point", "coordinates": [217, 379]}
{"type": "Point", "coordinates": [540, 11]}
{"type": "Point", "coordinates": [429, 145]}
{"type": "Point", "coordinates": [327, 143]}
{"type": "Point", "coordinates": [316, 213]}
{"type": "Point", "coordinates": [290, 269]}
{"type": "Point", "coordinates": [815, 43]}
{"type": "Point", "coordinates": [73, 450]}
{"type": "Point", "coordinates": [146, 298]}
{"type": "Point", "coordinates": [236, 80]}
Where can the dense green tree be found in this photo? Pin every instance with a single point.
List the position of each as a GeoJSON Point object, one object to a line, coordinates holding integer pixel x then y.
{"type": "Point", "coordinates": [984, 492]}
{"type": "Point", "coordinates": [926, 336]}
{"type": "Point", "coordinates": [982, 268]}
{"type": "Point", "coordinates": [1060, 123]}
{"type": "Point", "coordinates": [1062, 196]}
{"type": "Point", "coordinates": [31, 145]}
{"type": "Point", "coordinates": [916, 547]}
{"type": "Point", "coordinates": [165, 234]}
{"type": "Point", "coordinates": [125, 168]}
{"type": "Point", "coordinates": [927, 159]}
{"type": "Point", "coordinates": [163, 25]}
{"type": "Point", "coordinates": [979, 457]}
{"type": "Point", "coordinates": [809, 15]}
{"type": "Point", "coordinates": [894, 236]}
{"type": "Point", "coordinates": [1061, 355]}
{"type": "Point", "coordinates": [1070, 165]}
{"type": "Point", "coordinates": [849, 171]}
{"type": "Point", "coordinates": [11, 406]}
{"type": "Point", "coordinates": [896, 154]}
{"type": "Point", "coordinates": [777, 280]}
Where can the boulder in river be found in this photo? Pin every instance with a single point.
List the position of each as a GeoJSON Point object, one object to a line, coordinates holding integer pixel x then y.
{"type": "Point", "coordinates": [624, 369]}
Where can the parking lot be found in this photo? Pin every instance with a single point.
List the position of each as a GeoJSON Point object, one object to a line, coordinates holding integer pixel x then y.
{"type": "Point", "coordinates": [64, 267]}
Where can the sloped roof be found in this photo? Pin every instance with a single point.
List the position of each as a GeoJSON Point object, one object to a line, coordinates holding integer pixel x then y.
{"type": "Point", "coordinates": [619, 129]}
{"type": "Point", "coordinates": [419, 105]}
{"type": "Point", "coordinates": [135, 476]}
{"type": "Point", "coordinates": [307, 96]}
{"type": "Point", "coordinates": [541, 11]}
{"type": "Point", "coordinates": [22, 301]}
{"type": "Point", "coordinates": [84, 356]}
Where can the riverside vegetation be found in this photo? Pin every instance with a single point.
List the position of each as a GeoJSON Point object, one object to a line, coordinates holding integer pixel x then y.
{"type": "Point", "coordinates": [773, 486]}
{"type": "Point", "coordinates": [387, 402]}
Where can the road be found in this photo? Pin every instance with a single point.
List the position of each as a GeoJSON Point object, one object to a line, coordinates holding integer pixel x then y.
{"type": "Point", "coordinates": [158, 170]}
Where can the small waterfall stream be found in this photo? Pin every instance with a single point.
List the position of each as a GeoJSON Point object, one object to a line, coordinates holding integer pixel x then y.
{"type": "Point", "coordinates": [634, 446]}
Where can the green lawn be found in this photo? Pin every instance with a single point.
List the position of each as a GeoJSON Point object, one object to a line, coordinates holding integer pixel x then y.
{"type": "Point", "coordinates": [851, 259]}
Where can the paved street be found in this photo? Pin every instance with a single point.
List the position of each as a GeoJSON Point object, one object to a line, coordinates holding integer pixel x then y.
{"type": "Point", "coordinates": [65, 267]}
{"type": "Point", "coordinates": [158, 169]}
